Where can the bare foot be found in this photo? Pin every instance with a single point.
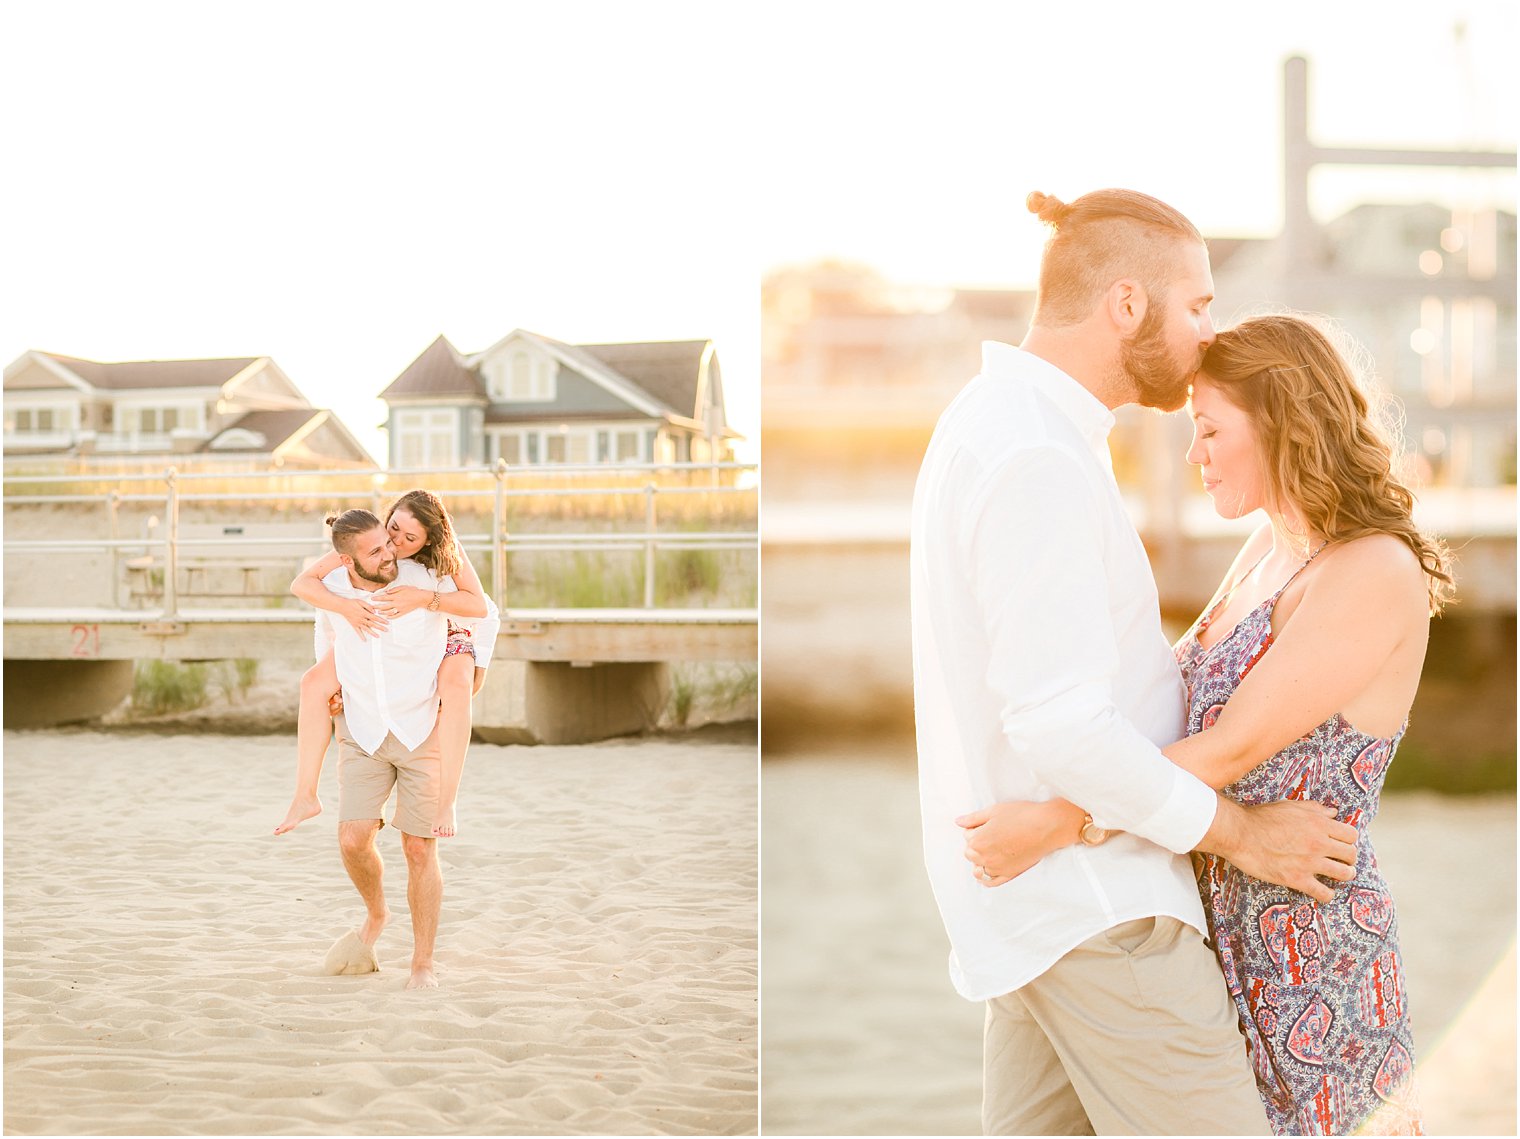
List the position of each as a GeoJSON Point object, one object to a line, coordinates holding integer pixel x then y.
{"type": "Point", "coordinates": [369, 932]}
{"type": "Point", "coordinates": [422, 978]}
{"type": "Point", "coordinates": [444, 826]}
{"type": "Point", "coordinates": [301, 809]}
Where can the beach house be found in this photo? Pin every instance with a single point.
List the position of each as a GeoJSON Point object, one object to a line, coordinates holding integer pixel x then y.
{"type": "Point", "coordinates": [245, 408]}
{"type": "Point", "coordinates": [533, 400]}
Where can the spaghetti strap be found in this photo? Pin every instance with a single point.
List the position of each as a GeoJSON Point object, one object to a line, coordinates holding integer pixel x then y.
{"type": "Point", "coordinates": [1206, 618]}
{"type": "Point", "coordinates": [1300, 569]}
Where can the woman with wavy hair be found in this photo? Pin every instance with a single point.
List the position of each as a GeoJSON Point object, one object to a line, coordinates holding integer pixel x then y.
{"type": "Point", "coordinates": [420, 528]}
{"type": "Point", "coordinates": [1299, 678]}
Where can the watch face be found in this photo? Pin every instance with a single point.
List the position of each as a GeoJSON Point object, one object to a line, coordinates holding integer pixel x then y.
{"type": "Point", "coordinates": [1093, 834]}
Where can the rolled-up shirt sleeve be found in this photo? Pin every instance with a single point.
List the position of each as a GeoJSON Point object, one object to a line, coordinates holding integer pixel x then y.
{"type": "Point", "coordinates": [1035, 544]}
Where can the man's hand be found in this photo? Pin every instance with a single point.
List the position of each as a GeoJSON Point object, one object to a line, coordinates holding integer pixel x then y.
{"type": "Point", "coordinates": [1293, 843]}
{"type": "Point", "coordinates": [362, 616]}
{"type": "Point", "coordinates": [1006, 839]}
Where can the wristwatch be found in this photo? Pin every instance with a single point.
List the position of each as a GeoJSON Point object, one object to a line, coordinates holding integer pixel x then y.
{"type": "Point", "coordinates": [1091, 833]}
{"type": "Point", "coordinates": [433, 608]}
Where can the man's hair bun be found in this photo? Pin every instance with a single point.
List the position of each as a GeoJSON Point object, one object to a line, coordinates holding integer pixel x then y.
{"type": "Point", "coordinates": [329, 520]}
{"type": "Point", "coordinates": [1050, 209]}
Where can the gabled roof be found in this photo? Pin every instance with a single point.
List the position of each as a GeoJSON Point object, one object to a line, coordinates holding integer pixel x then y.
{"type": "Point", "coordinates": [660, 377]}
{"type": "Point", "coordinates": [439, 371]}
{"type": "Point", "coordinates": [667, 370]}
{"type": "Point", "coordinates": [153, 373]}
{"type": "Point", "coordinates": [273, 426]}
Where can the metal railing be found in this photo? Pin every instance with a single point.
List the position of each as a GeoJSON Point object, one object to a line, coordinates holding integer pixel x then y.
{"type": "Point", "coordinates": [499, 541]}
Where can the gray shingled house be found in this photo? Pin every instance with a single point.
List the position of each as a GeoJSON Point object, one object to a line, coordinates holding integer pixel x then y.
{"type": "Point", "coordinates": [71, 408]}
{"type": "Point", "coordinates": [531, 400]}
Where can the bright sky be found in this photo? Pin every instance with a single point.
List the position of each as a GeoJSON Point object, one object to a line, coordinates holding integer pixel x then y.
{"type": "Point", "coordinates": [334, 184]}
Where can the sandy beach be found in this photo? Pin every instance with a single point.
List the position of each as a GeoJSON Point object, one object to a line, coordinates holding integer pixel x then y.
{"type": "Point", "coordinates": [864, 1035]}
{"type": "Point", "coordinates": [597, 952]}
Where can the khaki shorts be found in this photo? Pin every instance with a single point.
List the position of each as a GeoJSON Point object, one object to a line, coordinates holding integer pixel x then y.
{"type": "Point", "coordinates": [1131, 1033]}
{"type": "Point", "coordinates": [365, 782]}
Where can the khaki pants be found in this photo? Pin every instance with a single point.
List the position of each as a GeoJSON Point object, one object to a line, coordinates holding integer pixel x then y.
{"type": "Point", "coordinates": [1131, 1033]}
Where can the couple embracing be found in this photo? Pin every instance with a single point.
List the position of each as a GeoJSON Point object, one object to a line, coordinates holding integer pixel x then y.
{"type": "Point", "coordinates": [1153, 861]}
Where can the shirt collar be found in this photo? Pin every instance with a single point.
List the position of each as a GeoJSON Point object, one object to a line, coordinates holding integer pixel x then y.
{"type": "Point", "coordinates": [1079, 405]}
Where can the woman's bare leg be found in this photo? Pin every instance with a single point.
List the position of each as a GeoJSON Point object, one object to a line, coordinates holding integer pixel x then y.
{"type": "Point", "coordinates": [313, 730]}
{"type": "Point", "coordinates": [456, 676]}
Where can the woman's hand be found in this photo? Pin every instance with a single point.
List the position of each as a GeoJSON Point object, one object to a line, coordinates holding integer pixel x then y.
{"type": "Point", "coordinates": [1006, 839]}
{"type": "Point", "coordinates": [362, 616]}
{"type": "Point", "coordinates": [399, 600]}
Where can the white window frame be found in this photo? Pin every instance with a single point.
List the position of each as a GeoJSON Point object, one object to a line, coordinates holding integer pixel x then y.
{"type": "Point", "coordinates": [520, 375]}
{"type": "Point", "coordinates": [619, 437]}
{"type": "Point", "coordinates": [494, 439]}
{"type": "Point", "coordinates": [427, 437]}
{"type": "Point", "coordinates": [580, 438]}
{"type": "Point", "coordinates": [64, 413]}
{"type": "Point", "coordinates": [189, 416]}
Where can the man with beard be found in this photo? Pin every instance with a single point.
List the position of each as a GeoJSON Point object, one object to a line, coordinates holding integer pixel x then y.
{"type": "Point", "coordinates": [1040, 670]}
{"type": "Point", "coordinates": [386, 739]}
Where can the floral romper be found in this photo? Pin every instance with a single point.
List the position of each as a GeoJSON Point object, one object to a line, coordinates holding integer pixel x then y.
{"type": "Point", "coordinates": [1319, 987]}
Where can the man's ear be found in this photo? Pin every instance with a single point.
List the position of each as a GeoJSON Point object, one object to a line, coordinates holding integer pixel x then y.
{"type": "Point", "coordinates": [1126, 302]}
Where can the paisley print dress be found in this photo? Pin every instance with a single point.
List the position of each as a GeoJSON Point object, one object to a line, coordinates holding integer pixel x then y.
{"type": "Point", "coordinates": [1319, 987]}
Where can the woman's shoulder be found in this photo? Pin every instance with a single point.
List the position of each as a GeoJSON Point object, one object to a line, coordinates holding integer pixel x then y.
{"type": "Point", "coordinates": [1379, 567]}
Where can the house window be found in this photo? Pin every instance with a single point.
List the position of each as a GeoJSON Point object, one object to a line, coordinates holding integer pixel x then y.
{"type": "Point", "coordinates": [521, 377]}
{"type": "Point", "coordinates": [504, 445]}
{"type": "Point", "coordinates": [629, 446]}
{"type": "Point", "coordinates": [162, 420]}
{"type": "Point", "coordinates": [570, 445]}
{"type": "Point", "coordinates": [37, 419]}
{"type": "Point", "coordinates": [157, 420]}
{"type": "Point", "coordinates": [428, 438]}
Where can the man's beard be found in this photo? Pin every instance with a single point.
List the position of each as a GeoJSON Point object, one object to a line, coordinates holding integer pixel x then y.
{"type": "Point", "coordinates": [1161, 381]}
{"type": "Point", "coordinates": [380, 577]}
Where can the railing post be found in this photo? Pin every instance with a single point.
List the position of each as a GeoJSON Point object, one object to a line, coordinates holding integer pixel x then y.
{"type": "Point", "coordinates": [113, 518]}
{"type": "Point", "coordinates": [499, 537]}
{"type": "Point", "coordinates": [649, 492]}
{"type": "Point", "coordinates": [171, 546]}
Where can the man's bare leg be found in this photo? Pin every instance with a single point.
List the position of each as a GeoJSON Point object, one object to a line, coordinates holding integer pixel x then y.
{"type": "Point", "coordinates": [313, 731]}
{"type": "Point", "coordinates": [356, 839]}
{"type": "Point", "coordinates": [424, 893]}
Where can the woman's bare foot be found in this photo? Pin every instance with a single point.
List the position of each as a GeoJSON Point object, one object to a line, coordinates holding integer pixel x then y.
{"type": "Point", "coordinates": [444, 826]}
{"type": "Point", "coordinates": [301, 809]}
{"type": "Point", "coordinates": [422, 978]}
{"type": "Point", "coordinates": [369, 932]}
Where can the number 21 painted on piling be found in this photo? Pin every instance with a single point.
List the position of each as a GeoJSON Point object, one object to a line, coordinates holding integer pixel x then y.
{"type": "Point", "coordinates": [86, 640]}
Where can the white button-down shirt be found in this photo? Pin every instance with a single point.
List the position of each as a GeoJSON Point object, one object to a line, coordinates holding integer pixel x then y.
{"type": "Point", "coordinates": [390, 679]}
{"type": "Point", "coordinates": [1040, 670]}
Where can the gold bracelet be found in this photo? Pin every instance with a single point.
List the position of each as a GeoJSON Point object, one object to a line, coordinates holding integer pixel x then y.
{"type": "Point", "coordinates": [433, 604]}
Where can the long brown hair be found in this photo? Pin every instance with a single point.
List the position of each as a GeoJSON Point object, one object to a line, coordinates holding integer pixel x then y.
{"type": "Point", "coordinates": [1324, 453]}
{"type": "Point", "coordinates": [440, 552]}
